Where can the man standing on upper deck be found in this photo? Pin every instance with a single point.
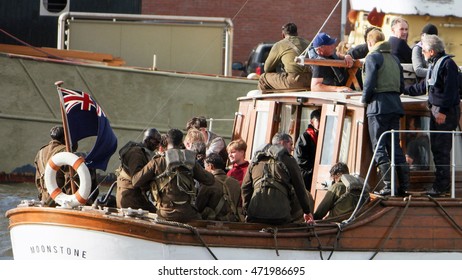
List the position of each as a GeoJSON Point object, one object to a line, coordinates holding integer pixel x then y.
{"type": "Point", "coordinates": [383, 83]}
{"type": "Point", "coordinates": [398, 40]}
{"type": "Point", "coordinates": [284, 53]}
{"type": "Point", "coordinates": [442, 86]}
{"type": "Point", "coordinates": [327, 78]}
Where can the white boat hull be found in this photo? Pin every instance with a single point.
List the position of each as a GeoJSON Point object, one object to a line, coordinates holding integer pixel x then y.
{"type": "Point", "coordinates": [64, 243]}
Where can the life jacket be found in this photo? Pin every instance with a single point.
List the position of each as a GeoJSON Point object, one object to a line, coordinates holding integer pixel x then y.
{"type": "Point", "coordinates": [433, 71]}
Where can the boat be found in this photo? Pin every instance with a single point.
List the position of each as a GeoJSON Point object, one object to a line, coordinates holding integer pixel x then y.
{"type": "Point", "coordinates": [412, 227]}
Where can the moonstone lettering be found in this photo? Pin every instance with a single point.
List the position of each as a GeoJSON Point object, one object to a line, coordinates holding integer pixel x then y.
{"type": "Point", "coordinates": [58, 250]}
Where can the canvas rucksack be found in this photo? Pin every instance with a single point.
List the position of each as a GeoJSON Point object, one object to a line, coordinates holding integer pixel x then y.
{"type": "Point", "coordinates": [233, 215]}
{"type": "Point", "coordinates": [271, 198]}
{"type": "Point", "coordinates": [178, 176]}
{"type": "Point", "coordinates": [354, 186]}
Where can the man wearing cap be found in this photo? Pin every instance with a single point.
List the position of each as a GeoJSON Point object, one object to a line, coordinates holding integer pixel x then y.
{"type": "Point", "coordinates": [327, 78]}
{"type": "Point", "coordinates": [283, 53]}
{"type": "Point", "coordinates": [398, 40]}
{"type": "Point", "coordinates": [418, 60]}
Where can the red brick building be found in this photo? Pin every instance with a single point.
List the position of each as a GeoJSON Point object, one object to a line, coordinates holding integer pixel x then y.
{"type": "Point", "coordinates": [257, 21]}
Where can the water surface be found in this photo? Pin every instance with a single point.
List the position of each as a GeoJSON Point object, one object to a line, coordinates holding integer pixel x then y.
{"type": "Point", "coordinates": [10, 196]}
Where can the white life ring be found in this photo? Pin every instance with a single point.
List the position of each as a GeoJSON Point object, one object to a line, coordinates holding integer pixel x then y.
{"type": "Point", "coordinates": [78, 164]}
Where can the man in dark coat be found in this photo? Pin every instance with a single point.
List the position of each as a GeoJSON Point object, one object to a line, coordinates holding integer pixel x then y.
{"type": "Point", "coordinates": [383, 83]}
{"type": "Point", "coordinates": [398, 40]}
{"type": "Point", "coordinates": [442, 86]}
{"type": "Point", "coordinates": [305, 148]}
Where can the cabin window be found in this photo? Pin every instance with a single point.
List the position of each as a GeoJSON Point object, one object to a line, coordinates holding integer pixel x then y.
{"type": "Point", "coordinates": [330, 134]}
{"type": "Point", "coordinates": [305, 118]}
{"type": "Point", "coordinates": [261, 127]}
{"type": "Point", "coordinates": [288, 119]}
{"type": "Point", "coordinates": [418, 154]}
{"type": "Point", "coordinates": [345, 142]}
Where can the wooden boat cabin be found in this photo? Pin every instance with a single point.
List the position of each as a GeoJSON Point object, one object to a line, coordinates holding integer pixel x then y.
{"type": "Point", "coordinates": [343, 133]}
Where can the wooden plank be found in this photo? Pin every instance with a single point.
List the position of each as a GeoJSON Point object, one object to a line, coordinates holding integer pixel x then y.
{"type": "Point", "coordinates": [332, 62]}
{"type": "Point", "coordinates": [107, 59]}
{"type": "Point", "coordinates": [352, 80]}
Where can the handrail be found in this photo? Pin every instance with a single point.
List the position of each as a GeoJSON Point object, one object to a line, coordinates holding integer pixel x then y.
{"type": "Point", "coordinates": [211, 120]}
{"type": "Point", "coordinates": [393, 164]}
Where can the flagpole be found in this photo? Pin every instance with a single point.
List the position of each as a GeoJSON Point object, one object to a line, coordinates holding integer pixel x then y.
{"type": "Point", "coordinates": [66, 132]}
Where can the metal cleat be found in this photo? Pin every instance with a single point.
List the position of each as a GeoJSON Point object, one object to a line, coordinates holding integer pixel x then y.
{"type": "Point", "coordinates": [30, 203]}
{"type": "Point", "coordinates": [138, 213]}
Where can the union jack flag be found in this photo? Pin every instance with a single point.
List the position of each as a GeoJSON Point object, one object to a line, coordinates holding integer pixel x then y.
{"type": "Point", "coordinates": [74, 98]}
{"type": "Point", "coordinates": [86, 118]}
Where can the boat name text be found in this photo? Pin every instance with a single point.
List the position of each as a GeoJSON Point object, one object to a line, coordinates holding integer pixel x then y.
{"type": "Point", "coordinates": [58, 250]}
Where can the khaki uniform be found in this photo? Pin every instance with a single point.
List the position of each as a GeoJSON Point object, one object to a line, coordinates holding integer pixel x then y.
{"type": "Point", "coordinates": [172, 203]}
{"type": "Point", "coordinates": [41, 160]}
{"type": "Point", "coordinates": [210, 198]}
{"type": "Point", "coordinates": [337, 202]}
{"type": "Point", "coordinates": [299, 203]}
{"type": "Point", "coordinates": [128, 195]}
{"type": "Point", "coordinates": [294, 76]}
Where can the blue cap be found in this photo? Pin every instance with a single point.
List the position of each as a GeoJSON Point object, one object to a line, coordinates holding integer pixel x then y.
{"type": "Point", "coordinates": [322, 39]}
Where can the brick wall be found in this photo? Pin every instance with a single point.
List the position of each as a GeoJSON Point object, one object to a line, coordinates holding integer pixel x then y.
{"type": "Point", "coordinates": [256, 21]}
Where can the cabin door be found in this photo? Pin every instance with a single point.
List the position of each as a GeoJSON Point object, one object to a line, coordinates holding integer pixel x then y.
{"type": "Point", "coordinates": [328, 148]}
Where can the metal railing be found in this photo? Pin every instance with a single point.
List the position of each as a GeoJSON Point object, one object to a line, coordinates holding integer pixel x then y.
{"type": "Point", "coordinates": [211, 120]}
{"type": "Point", "coordinates": [393, 164]}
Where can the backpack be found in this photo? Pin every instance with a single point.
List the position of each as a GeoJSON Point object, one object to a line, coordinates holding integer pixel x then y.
{"type": "Point", "coordinates": [178, 176]}
{"type": "Point", "coordinates": [125, 149]}
{"type": "Point", "coordinates": [354, 186]}
{"type": "Point", "coordinates": [271, 198]}
{"type": "Point", "coordinates": [233, 215]}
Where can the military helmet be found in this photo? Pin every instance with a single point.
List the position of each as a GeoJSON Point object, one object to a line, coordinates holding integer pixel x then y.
{"type": "Point", "coordinates": [57, 133]}
{"type": "Point", "coordinates": [152, 133]}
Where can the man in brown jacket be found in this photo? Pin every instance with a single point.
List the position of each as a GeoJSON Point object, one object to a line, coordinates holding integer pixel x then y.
{"type": "Point", "coordinates": [56, 145]}
{"type": "Point", "coordinates": [134, 156]}
{"type": "Point", "coordinates": [172, 176]}
{"type": "Point", "coordinates": [284, 53]}
{"type": "Point", "coordinates": [272, 200]}
{"type": "Point", "coordinates": [220, 200]}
